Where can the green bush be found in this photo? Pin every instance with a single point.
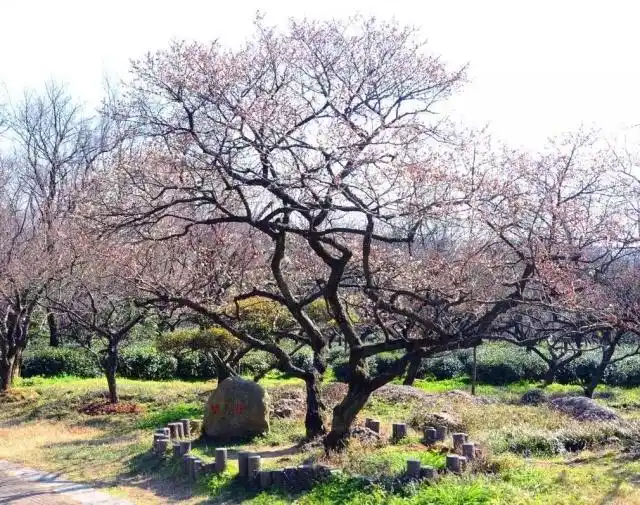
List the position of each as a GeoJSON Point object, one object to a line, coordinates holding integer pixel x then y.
{"type": "Point", "coordinates": [146, 362]}
{"type": "Point", "coordinates": [446, 367]}
{"type": "Point", "coordinates": [503, 364]}
{"type": "Point", "coordinates": [52, 361]}
{"type": "Point", "coordinates": [624, 373]}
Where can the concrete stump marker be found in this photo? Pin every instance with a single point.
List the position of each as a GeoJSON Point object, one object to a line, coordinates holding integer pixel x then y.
{"type": "Point", "coordinates": [453, 463]}
{"type": "Point", "coordinates": [469, 451]}
{"type": "Point", "coordinates": [374, 425]}
{"type": "Point", "coordinates": [180, 430]}
{"type": "Point", "coordinates": [197, 469]}
{"type": "Point", "coordinates": [177, 452]}
{"type": "Point", "coordinates": [186, 427]}
{"type": "Point", "coordinates": [399, 431]}
{"type": "Point", "coordinates": [190, 462]}
{"type": "Point", "coordinates": [221, 460]}
{"type": "Point", "coordinates": [243, 458]}
{"type": "Point", "coordinates": [166, 431]}
{"type": "Point", "coordinates": [196, 427]}
{"type": "Point", "coordinates": [265, 479]}
{"type": "Point", "coordinates": [277, 478]}
{"type": "Point", "coordinates": [367, 422]}
{"type": "Point", "coordinates": [463, 463]}
{"type": "Point", "coordinates": [254, 463]}
{"type": "Point", "coordinates": [185, 447]}
{"type": "Point", "coordinates": [163, 445]}
{"type": "Point", "coordinates": [185, 462]}
{"type": "Point", "coordinates": [413, 468]}
{"type": "Point", "coordinates": [441, 433]}
{"type": "Point", "coordinates": [428, 472]}
{"type": "Point", "coordinates": [430, 435]}
{"type": "Point", "coordinates": [173, 430]}
{"type": "Point", "coordinates": [458, 440]}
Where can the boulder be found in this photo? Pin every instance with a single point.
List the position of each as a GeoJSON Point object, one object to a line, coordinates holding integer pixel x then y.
{"type": "Point", "coordinates": [422, 419]}
{"type": "Point", "coordinates": [583, 409]}
{"type": "Point", "coordinates": [237, 408]}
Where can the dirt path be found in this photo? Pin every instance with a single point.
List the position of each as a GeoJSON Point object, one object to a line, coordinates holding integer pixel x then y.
{"type": "Point", "coordinates": [24, 486]}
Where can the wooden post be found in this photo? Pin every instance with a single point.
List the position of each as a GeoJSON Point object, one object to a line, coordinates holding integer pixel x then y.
{"type": "Point", "coordinates": [399, 431]}
{"type": "Point", "coordinates": [179, 429]}
{"type": "Point", "coordinates": [469, 451]}
{"type": "Point", "coordinates": [221, 460]}
{"type": "Point", "coordinates": [173, 430]}
{"type": "Point", "coordinates": [463, 463]}
{"type": "Point", "coordinates": [367, 422]}
{"type": "Point", "coordinates": [253, 467]}
{"type": "Point", "coordinates": [430, 435]}
{"type": "Point", "coordinates": [375, 425]}
{"type": "Point", "coordinates": [243, 464]}
{"type": "Point", "coordinates": [177, 449]}
{"type": "Point", "coordinates": [265, 479]}
{"type": "Point", "coordinates": [458, 440]}
{"type": "Point", "coordinates": [189, 460]}
{"type": "Point", "coordinates": [453, 463]}
{"type": "Point", "coordinates": [413, 468]}
{"type": "Point", "coordinates": [441, 433]}
{"type": "Point", "coordinates": [166, 431]}
{"type": "Point", "coordinates": [186, 427]}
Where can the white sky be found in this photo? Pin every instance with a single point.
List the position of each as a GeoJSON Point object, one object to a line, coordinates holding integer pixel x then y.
{"type": "Point", "coordinates": [537, 67]}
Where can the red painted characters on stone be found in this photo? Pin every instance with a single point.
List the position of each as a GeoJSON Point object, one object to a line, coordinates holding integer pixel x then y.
{"type": "Point", "coordinates": [237, 408]}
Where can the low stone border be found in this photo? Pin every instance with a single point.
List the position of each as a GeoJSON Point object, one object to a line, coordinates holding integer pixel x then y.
{"type": "Point", "coordinates": [176, 435]}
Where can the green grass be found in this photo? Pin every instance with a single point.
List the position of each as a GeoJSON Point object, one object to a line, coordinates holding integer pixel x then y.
{"type": "Point", "coordinates": [41, 426]}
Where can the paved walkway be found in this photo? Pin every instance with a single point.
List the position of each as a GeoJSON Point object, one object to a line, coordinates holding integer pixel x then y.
{"type": "Point", "coordinates": [24, 486]}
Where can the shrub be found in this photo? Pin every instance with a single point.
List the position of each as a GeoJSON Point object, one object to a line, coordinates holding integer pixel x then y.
{"type": "Point", "coordinates": [502, 364]}
{"type": "Point", "coordinates": [446, 367]}
{"type": "Point", "coordinates": [383, 361]}
{"type": "Point", "coordinates": [49, 362]}
{"type": "Point", "coordinates": [624, 373]}
{"type": "Point", "coordinates": [303, 359]}
{"type": "Point", "coordinates": [146, 363]}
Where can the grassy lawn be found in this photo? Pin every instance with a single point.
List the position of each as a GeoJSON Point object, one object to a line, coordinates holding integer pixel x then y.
{"type": "Point", "coordinates": [41, 425]}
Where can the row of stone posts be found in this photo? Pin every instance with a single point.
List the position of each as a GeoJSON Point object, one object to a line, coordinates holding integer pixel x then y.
{"type": "Point", "coordinates": [293, 478]}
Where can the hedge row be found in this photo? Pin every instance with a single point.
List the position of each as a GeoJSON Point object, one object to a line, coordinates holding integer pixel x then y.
{"type": "Point", "coordinates": [496, 364]}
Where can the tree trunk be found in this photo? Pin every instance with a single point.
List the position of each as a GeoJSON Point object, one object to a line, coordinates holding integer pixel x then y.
{"type": "Point", "coordinates": [550, 375]}
{"type": "Point", "coordinates": [344, 414]}
{"type": "Point", "coordinates": [16, 365]}
{"type": "Point", "coordinates": [412, 372]}
{"type": "Point", "coordinates": [313, 420]}
{"type": "Point", "coordinates": [6, 373]}
{"type": "Point", "coordinates": [596, 377]}
{"type": "Point", "coordinates": [110, 371]}
{"type": "Point", "coordinates": [54, 334]}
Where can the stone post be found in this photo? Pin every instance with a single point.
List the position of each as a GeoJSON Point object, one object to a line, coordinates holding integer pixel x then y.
{"type": "Point", "coordinates": [441, 433]}
{"type": "Point", "coordinates": [428, 472]}
{"type": "Point", "coordinates": [177, 449]}
{"type": "Point", "coordinates": [413, 468]}
{"type": "Point", "coordinates": [197, 469]}
{"type": "Point", "coordinates": [185, 447]}
{"type": "Point", "coordinates": [186, 427]}
{"type": "Point", "coordinates": [458, 440]}
{"type": "Point", "coordinates": [221, 460]}
{"type": "Point", "coordinates": [367, 422]}
{"type": "Point", "coordinates": [469, 451]}
{"type": "Point", "coordinates": [277, 478]}
{"type": "Point", "coordinates": [463, 463]}
{"type": "Point", "coordinates": [163, 445]}
{"type": "Point", "coordinates": [374, 425]}
{"type": "Point", "coordinates": [453, 463]}
{"type": "Point", "coordinates": [173, 430]}
{"type": "Point", "coordinates": [430, 435]}
{"type": "Point", "coordinates": [190, 465]}
{"type": "Point", "coordinates": [243, 464]}
{"type": "Point", "coordinates": [399, 431]}
{"type": "Point", "coordinates": [265, 479]}
{"type": "Point", "coordinates": [254, 464]}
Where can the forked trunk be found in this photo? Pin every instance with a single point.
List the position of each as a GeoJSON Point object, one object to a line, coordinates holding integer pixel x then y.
{"type": "Point", "coordinates": [344, 414]}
